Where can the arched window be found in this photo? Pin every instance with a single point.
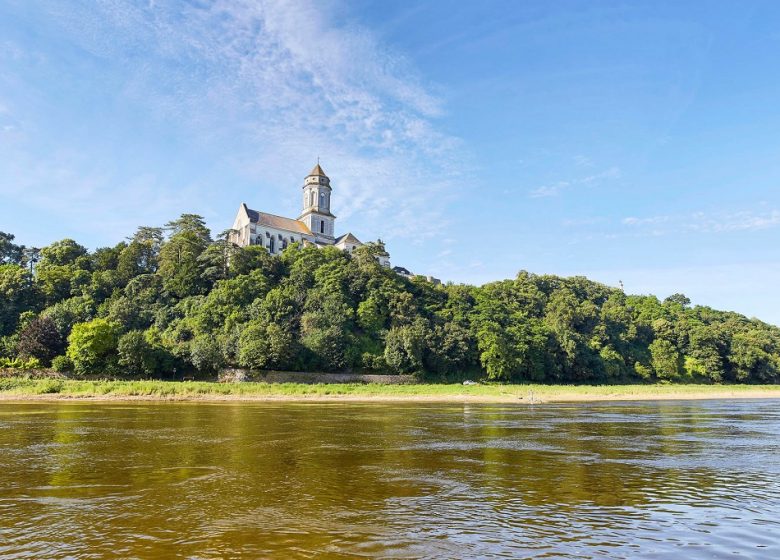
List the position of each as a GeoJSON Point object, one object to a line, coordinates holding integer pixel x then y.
{"type": "Point", "coordinates": [311, 198]}
{"type": "Point", "coordinates": [322, 200]}
{"type": "Point", "coordinates": [322, 226]}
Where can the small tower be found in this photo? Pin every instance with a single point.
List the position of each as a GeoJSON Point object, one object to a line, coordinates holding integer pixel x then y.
{"type": "Point", "coordinates": [316, 206]}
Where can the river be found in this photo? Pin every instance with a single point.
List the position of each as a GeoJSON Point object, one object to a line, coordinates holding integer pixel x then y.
{"type": "Point", "coordinates": [194, 480]}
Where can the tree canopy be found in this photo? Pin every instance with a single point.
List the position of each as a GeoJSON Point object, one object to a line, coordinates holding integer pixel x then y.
{"type": "Point", "coordinates": [174, 298]}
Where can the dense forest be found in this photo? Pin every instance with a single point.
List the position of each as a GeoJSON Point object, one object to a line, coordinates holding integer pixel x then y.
{"type": "Point", "coordinates": [173, 299]}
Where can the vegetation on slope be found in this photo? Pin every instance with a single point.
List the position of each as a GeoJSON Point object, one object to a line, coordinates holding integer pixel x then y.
{"type": "Point", "coordinates": [173, 299]}
{"type": "Point", "coordinates": [24, 388]}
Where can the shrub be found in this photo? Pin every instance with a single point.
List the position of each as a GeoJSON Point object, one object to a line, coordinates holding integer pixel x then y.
{"type": "Point", "coordinates": [40, 339]}
{"type": "Point", "coordinates": [92, 347]}
{"type": "Point", "coordinates": [50, 386]}
{"type": "Point", "coordinates": [374, 362]}
{"type": "Point", "coordinates": [136, 355]}
{"type": "Point", "coordinates": [205, 353]}
{"type": "Point", "coordinates": [20, 363]}
{"type": "Point", "coordinates": [61, 364]}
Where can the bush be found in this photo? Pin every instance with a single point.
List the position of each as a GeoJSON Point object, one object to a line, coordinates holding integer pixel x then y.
{"type": "Point", "coordinates": [263, 346]}
{"type": "Point", "coordinates": [50, 386]}
{"type": "Point", "coordinates": [92, 347]}
{"type": "Point", "coordinates": [20, 364]}
{"type": "Point", "coordinates": [404, 348]}
{"type": "Point", "coordinates": [40, 339]}
{"type": "Point", "coordinates": [136, 355]}
{"type": "Point", "coordinates": [374, 362]}
{"type": "Point", "coordinates": [61, 364]}
{"type": "Point", "coordinates": [206, 354]}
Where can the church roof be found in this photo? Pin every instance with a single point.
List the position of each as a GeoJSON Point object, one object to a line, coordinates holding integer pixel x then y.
{"type": "Point", "coordinates": [347, 238]}
{"type": "Point", "coordinates": [317, 171]}
{"type": "Point", "coordinates": [277, 222]}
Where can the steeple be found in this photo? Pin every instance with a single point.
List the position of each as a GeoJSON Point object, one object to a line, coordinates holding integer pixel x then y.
{"type": "Point", "coordinates": [317, 171]}
{"type": "Point", "coordinates": [316, 205]}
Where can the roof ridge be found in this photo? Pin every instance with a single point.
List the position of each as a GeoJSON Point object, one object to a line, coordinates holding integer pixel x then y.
{"type": "Point", "coordinates": [277, 216]}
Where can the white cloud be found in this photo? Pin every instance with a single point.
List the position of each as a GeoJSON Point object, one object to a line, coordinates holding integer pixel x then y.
{"type": "Point", "coordinates": [703, 222]}
{"type": "Point", "coordinates": [583, 161]}
{"type": "Point", "coordinates": [634, 221]}
{"type": "Point", "coordinates": [550, 190]}
{"type": "Point", "coordinates": [589, 180]}
{"type": "Point", "coordinates": [735, 221]}
{"type": "Point", "coordinates": [282, 83]}
{"type": "Point", "coordinates": [80, 202]}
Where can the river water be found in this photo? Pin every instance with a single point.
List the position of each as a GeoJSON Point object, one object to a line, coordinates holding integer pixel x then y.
{"type": "Point", "coordinates": [618, 480]}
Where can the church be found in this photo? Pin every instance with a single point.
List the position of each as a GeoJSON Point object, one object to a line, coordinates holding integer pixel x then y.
{"type": "Point", "coordinates": [316, 225]}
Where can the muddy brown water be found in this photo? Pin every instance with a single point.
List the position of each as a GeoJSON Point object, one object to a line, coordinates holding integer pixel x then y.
{"type": "Point", "coordinates": [344, 480]}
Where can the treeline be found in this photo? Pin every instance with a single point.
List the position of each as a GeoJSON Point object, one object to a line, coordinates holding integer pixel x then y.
{"type": "Point", "coordinates": [173, 299]}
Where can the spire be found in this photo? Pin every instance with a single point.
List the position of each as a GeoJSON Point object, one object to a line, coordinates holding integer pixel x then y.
{"type": "Point", "coordinates": [317, 170]}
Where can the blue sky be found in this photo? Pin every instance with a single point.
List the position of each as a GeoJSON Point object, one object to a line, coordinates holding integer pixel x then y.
{"type": "Point", "coordinates": [626, 141]}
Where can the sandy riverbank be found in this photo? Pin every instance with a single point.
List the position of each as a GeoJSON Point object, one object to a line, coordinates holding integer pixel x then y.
{"type": "Point", "coordinates": [19, 389]}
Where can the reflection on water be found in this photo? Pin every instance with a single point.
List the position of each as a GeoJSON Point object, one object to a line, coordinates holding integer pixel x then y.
{"type": "Point", "coordinates": [692, 479]}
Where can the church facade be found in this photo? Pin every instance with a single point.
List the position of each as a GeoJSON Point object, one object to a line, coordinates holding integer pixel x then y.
{"type": "Point", "coordinates": [316, 225]}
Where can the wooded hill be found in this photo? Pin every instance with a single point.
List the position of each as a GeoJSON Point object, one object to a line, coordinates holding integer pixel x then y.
{"type": "Point", "coordinates": [174, 298]}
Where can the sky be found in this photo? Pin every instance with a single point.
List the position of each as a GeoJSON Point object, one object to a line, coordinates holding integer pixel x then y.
{"type": "Point", "coordinates": [630, 142]}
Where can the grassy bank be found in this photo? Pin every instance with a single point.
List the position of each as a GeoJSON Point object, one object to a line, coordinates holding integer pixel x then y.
{"type": "Point", "coordinates": [37, 389]}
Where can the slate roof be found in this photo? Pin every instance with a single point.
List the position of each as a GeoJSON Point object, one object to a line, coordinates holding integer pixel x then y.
{"type": "Point", "coordinates": [347, 238]}
{"type": "Point", "coordinates": [277, 222]}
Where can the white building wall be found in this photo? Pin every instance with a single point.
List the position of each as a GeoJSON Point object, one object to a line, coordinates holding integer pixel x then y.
{"type": "Point", "coordinates": [263, 236]}
{"type": "Point", "coordinates": [241, 228]}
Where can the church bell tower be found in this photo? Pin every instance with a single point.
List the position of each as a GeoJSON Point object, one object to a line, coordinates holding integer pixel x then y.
{"type": "Point", "coordinates": [316, 206]}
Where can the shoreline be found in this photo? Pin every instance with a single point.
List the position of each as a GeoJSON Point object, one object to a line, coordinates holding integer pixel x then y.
{"type": "Point", "coordinates": [49, 390]}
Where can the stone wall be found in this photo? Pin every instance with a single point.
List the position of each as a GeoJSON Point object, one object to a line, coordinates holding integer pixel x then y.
{"type": "Point", "coordinates": [235, 375]}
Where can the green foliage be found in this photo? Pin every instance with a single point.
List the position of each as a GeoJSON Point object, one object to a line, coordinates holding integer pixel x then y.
{"type": "Point", "coordinates": [68, 312]}
{"type": "Point", "coordinates": [206, 353]}
{"type": "Point", "coordinates": [20, 363]}
{"type": "Point", "coordinates": [61, 364]}
{"type": "Point", "coordinates": [404, 346]}
{"type": "Point", "coordinates": [266, 346]}
{"type": "Point", "coordinates": [92, 347]}
{"type": "Point", "coordinates": [10, 253]}
{"type": "Point", "coordinates": [136, 356]}
{"type": "Point", "coordinates": [179, 266]}
{"type": "Point", "coordinates": [17, 295]}
{"type": "Point", "coordinates": [171, 298]}
{"type": "Point", "coordinates": [64, 269]}
{"type": "Point", "coordinates": [666, 360]}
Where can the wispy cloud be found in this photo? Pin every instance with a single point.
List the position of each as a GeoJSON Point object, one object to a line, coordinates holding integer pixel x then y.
{"type": "Point", "coordinates": [703, 222]}
{"type": "Point", "coordinates": [557, 188]}
{"type": "Point", "coordinates": [652, 220]}
{"type": "Point", "coordinates": [282, 83]}
{"type": "Point", "coordinates": [583, 161]}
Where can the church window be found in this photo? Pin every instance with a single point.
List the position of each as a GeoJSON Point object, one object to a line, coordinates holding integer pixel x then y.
{"type": "Point", "coordinates": [271, 247]}
{"type": "Point", "coordinates": [322, 226]}
{"type": "Point", "coordinates": [311, 198]}
{"type": "Point", "coordinates": [322, 200]}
